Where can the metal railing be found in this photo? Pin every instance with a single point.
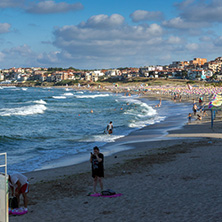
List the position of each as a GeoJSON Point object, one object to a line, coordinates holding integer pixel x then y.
{"type": "Point", "coordinates": [4, 191]}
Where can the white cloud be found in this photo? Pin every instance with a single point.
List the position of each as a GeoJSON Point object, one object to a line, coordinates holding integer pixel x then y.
{"type": "Point", "coordinates": [48, 7]}
{"type": "Point", "coordinates": [180, 23]}
{"type": "Point", "coordinates": [205, 39]}
{"type": "Point", "coordinates": [192, 46]}
{"type": "Point", "coordinates": [142, 15]}
{"type": "Point", "coordinates": [4, 27]}
{"type": "Point", "coordinates": [103, 21]}
{"type": "Point", "coordinates": [174, 40]}
{"type": "Point", "coordinates": [49, 58]}
{"type": "Point", "coordinates": [11, 3]}
{"type": "Point", "coordinates": [218, 41]}
{"type": "Point", "coordinates": [19, 56]}
{"type": "Point", "coordinates": [2, 56]}
{"type": "Point", "coordinates": [201, 10]}
{"type": "Point", "coordinates": [104, 40]}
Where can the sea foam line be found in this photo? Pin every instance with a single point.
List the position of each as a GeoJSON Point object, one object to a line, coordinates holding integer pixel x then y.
{"type": "Point", "coordinates": [23, 111]}
{"type": "Point", "coordinates": [92, 96]}
{"type": "Point", "coordinates": [59, 97]}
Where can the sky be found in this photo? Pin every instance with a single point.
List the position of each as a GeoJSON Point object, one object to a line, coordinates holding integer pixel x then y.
{"type": "Point", "coordinates": [102, 34]}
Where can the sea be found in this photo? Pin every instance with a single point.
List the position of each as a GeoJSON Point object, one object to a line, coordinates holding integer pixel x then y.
{"type": "Point", "coordinates": [39, 126]}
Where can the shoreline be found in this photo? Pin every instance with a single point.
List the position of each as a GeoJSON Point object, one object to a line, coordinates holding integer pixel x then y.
{"type": "Point", "coordinates": [153, 132]}
{"type": "Point", "coordinates": [122, 143]}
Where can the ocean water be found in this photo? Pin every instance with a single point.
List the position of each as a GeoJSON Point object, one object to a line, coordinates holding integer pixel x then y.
{"type": "Point", "coordinates": [39, 125]}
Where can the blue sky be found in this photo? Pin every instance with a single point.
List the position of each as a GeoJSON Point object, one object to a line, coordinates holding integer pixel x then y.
{"type": "Point", "coordinates": [98, 34]}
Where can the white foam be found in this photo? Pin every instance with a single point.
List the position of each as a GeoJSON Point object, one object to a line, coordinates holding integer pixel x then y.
{"type": "Point", "coordinates": [92, 96]}
{"type": "Point", "coordinates": [40, 101]}
{"type": "Point", "coordinates": [141, 124]}
{"type": "Point", "coordinates": [8, 87]}
{"type": "Point", "coordinates": [47, 88]}
{"type": "Point", "coordinates": [103, 138]}
{"type": "Point", "coordinates": [24, 89]}
{"type": "Point", "coordinates": [23, 111]}
{"type": "Point", "coordinates": [59, 97]}
{"type": "Point", "coordinates": [68, 94]}
{"type": "Point", "coordinates": [68, 89]}
{"type": "Point", "coordinates": [144, 111]}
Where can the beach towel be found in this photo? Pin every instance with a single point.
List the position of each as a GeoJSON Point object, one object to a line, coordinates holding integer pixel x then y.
{"type": "Point", "coordinates": [18, 211]}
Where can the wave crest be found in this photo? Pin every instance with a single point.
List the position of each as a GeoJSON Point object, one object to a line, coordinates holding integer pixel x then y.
{"type": "Point", "coordinates": [23, 111]}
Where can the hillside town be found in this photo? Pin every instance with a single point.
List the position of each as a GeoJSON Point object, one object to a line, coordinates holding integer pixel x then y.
{"type": "Point", "coordinates": [196, 69]}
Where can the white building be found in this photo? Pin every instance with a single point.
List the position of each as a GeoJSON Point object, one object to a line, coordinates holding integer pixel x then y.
{"type": "Point", "coordinates": [2, 77]}
{"type": "Point", "coordinates": [98, 73]}
{"type": "Point", "coordinates": [112, 73]}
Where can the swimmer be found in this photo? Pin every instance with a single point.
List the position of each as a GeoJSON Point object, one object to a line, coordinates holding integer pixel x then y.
{"type": "Point", "coordinates": [110, 128]}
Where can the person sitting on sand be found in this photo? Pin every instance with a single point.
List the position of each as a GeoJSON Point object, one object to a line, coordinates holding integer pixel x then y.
{"type": "Point", "coordinates": [205, 113]}
{"type": "Point", "coordinates": [97, 160]}
{"type": "Point", "coordinates": [110, 128]}
{"type": "Point", "coordinates": [199, 117]}
{"type": "Point", "coordinates": [19, 185]}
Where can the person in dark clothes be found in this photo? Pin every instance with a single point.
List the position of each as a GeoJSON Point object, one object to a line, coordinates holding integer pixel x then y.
{"type": "Point", "coordinates": [97, 160]}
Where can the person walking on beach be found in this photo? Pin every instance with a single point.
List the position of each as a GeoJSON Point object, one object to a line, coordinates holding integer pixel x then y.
{"type": "Point", "coordinates": [194, 109]}
{"type": "Point", "coordinates": [97, 160]}
{"type": "Point", "coordinates": [19, 185]}
{"type": "Point", "coordinates": [110, 128]}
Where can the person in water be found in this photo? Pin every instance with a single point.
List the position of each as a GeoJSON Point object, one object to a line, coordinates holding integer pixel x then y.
{"type": "Point", "coordinates": [97, 160]}
{"type": "Point", "coordinates": [110, 128]}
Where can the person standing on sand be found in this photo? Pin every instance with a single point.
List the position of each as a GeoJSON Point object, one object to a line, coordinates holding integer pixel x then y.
{"type": "Point", "coordinates": [189, 118]}
{"type": "Point", "coordinates": [97, 160]}
{"type": "Point", "coordinates": [194, 109]}
{"type": "Point", "coordinates": [19, 185]}
{"type": "Point", "coordinates": [110, 127]}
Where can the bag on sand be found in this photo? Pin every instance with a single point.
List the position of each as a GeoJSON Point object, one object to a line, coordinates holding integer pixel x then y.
{"type": "Point", "coordinates": [13, 202]}
{"type": "Point", "coordinates": [108, 192]}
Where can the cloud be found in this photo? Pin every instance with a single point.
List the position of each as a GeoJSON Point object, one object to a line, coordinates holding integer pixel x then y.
{"type": "Point", "coordinates": [49, 58]}
{"type": "Point", "coordinates": [174, 40]}
{"type": "Point", "coordinates": [23, 50]}
{"type": "Point", "coordinates": [19, 56]}
{"type": "Point", "coordinates": [103, 21]}
{"type": "Point", "coordinates": [192, 46]}
{"type": "Point", "coordinates": [142, 15]}
{"type": "Point", "coordinates": [49, 7]}
{"type": "Point", "coordinates": [218, 41]}
{"type": "Point", "coordinates": [88, 39]}
{"type": "Point", "coordinates": [201, 10]}
{"type": "Point", "coordinates": [182, 24]}
{"type": "Point", "coordinates": [105, 40]}
{"type": "Point", "coordinates": [2, 56]}
{"type": "Point", "coordinates": [11, 3]}
{"type": "Point", "coordinates": [4, 27]}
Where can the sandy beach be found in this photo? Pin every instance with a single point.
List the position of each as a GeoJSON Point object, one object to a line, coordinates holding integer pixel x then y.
{"type": "Point", "coordinates": [177, 178]}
